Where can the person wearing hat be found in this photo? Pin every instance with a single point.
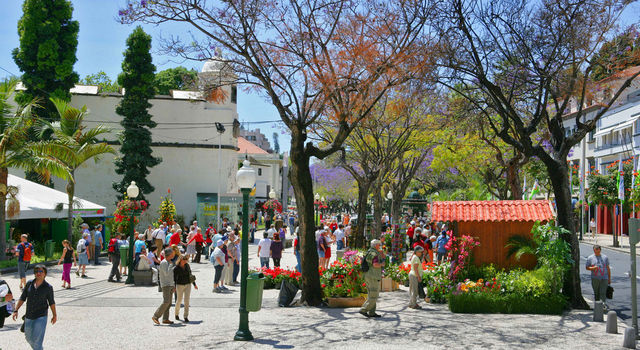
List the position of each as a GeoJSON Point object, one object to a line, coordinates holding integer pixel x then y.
{"type": "Point", "coordinates": [415, 276]}
{"type": "Point", "coordinates": [83, 256]}
{"type": "Point", "coordinates": [376, 260]}
{"type": "Point", "coordinates": [217, 259]}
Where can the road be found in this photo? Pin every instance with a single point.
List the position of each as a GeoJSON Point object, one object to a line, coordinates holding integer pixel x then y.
{"type": "Point", "coordinates": [620, 267]}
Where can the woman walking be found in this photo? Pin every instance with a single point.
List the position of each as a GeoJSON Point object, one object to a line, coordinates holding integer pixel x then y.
{"type": "Point", "coordinates": [83, 258]}
{"type": "Point", "coordinates": [276, 249]}
{"type": "Point", "coordinates": [191, 244]}
{"type": "Point", "coordinates": [217, 258]}
{"type": "Point", "coordinates": [415, 277]}
{"type": "Point", "coordinates": [183, 278]}
{"type": "Point", "coordinates": [67, 258]}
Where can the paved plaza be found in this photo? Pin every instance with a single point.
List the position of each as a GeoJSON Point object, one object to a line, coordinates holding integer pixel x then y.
{"type": "Point", "coordinates": [96, 314]}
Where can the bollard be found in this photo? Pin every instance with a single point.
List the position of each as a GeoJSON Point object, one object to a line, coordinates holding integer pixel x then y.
{"type": "Point", "coordinates": [612, 322]}
{"type": "Point", "coordinates": [629, 341]}
{"type": "Point", "coordinates": [598, 312]}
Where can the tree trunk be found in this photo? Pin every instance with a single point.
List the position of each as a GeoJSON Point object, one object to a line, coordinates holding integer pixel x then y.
{"type": "Point", "coordinates": [70, 191]}
{"type": "Point", "coordinates": [4, 172]}
{"type": "Point", "coordinates": [513, 180]}
{"type": "Point", "coordinates": [300, 179]}
{"type": "Point", "coordinates": [377, 211]}
{"type": "Point", "coordinates": [358, 240]}
{"type": "Point", "coordinates": [559, 175]}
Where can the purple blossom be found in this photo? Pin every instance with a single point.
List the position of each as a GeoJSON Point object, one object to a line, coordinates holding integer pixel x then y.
{"type": "Point", "coordinates": [143, 3]}
{"type": "Point", "coordinates": [453, 171]}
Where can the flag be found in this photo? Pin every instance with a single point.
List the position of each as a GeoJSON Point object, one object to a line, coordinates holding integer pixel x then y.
{"type": "Point", "coordinates": [535, 190]}
{"type": "Point", "coordinates": [620, 181]}
{"type": "Point", "coordinates": [524, 187]}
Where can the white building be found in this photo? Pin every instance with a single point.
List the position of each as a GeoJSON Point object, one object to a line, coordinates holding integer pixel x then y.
{"type": "Point", "coordinates": [268, 167]}
{"type": "Point", "coordinates": [257, 138]}
{"type": "Point", "coordinates": [185, 138]}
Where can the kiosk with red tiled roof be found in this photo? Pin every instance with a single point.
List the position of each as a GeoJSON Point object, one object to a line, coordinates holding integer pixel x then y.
{"type": "Point", "coordinates": [492, 223]}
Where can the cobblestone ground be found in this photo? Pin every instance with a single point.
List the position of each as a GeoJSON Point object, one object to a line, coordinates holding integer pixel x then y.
{"type": "Point", "coordinates": [96, 314]}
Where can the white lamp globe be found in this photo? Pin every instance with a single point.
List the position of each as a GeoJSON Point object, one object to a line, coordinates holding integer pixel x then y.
{"type": "Point", "coordinates": [133, 190]}
{"type": "Point", "coordinates": [317, 197]}
{"type": "Point", "coordinates": [389, 195]}
{"type": "Point", "coordinates": [272, 194]}
{"type": "Point", "coordinates": [246, 175]}
{"type": "Point", "coordinates": [322, 199]}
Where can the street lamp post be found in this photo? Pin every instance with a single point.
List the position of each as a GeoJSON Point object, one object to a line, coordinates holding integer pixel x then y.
{"type": "Point", "coordinates": [317, 203]}
{"type": "Point", "coordinates": [220, 128]}
{"type": "Point", "coordinates": [246, 178]}
{"type": "Point", "coordinates": [132, 193]}
{"type": "Point", "coordinates": [322, 209]}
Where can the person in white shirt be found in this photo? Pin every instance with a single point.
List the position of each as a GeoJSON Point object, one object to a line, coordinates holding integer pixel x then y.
{"type": "Point", "coordinates": [264, 250]}
{"type": "Point", "coordinates": [271, 231]}
{"type": "Point", "coordinates": [6, 302]}
{"type": "Point", "coordinates": [415, 277]}
{"type": "Point", "coordinates": [159, 235]}
{"type": "Point", "coordinates": [340, 237]}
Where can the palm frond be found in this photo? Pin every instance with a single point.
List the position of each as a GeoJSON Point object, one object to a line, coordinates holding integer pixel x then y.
{"type": "Point", "coordinates": [89, 151]}
{"type": "Point", "coordinates": [518, 245]}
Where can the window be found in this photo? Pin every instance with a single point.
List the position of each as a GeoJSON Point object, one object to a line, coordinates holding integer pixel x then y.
{"type": "Point", "coordinates": [259, 171]}
{"type": "Point", "coordinates": [234, 94]}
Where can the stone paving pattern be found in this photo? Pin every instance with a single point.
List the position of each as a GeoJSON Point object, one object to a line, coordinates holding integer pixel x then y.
{"type": "Point", "coordinates": [96, 314]}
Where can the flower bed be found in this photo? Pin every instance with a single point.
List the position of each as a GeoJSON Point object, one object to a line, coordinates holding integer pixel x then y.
{"type": "Point", "coordinates": [275, 276]}
{"type": "Point", "coordinates": [343, 280]}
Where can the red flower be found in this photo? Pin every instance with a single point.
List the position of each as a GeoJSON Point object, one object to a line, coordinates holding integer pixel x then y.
{"type": "Point", "coordinates": [324, 285]}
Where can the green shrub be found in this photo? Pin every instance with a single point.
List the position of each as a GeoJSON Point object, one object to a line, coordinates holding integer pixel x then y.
{"type": "Point", "coordinates": [485, 272]}
{"type": "Point", "coordinates": [506, 303]}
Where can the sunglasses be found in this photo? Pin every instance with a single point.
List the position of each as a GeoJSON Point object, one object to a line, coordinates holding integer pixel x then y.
{"type": "Point", "coordinates": [38, 271]}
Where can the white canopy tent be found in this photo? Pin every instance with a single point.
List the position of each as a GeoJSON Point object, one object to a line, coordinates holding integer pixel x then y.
{"type": "Point", "coordinates": [39, 202]}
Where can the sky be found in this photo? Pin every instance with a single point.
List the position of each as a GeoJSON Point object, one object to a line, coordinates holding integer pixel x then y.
{"type": "Point", "coordinates": [101, 42]}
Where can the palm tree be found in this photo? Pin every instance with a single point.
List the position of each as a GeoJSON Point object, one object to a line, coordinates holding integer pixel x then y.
{"type": "Point", "coordinates": [70, 132]}
{"type": "Point", "coordinates": [17, 151]}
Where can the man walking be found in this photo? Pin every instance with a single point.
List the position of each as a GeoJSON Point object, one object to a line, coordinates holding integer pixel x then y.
{"type": "Point", "coordinates": [165, 274]}
{"type": "Point", "coordinates": [39, 295]}
{"type": "Point", "coordinates": [23, 252]}
{"type": "Point", "coordinates": [159, 235]}
{"type": "Point", "coordinates": [376, 260]}
{"type": "Point", "coordinates": [598, 264]}
{"type": "Point", "coordinates": [97, 240]}
{"type": "Point", "coordinates": [340, 238]}
{"type": "Point", "coordinates": [114, 256]}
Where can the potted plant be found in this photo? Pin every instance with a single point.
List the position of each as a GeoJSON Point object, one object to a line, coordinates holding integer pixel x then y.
{"type": "Point", "coordinates": [343, 285]}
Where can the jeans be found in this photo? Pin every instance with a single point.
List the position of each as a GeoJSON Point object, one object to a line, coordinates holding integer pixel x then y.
{"type": "Point", "coordinates": [298, 260]}
{"type": "Point", "coordinates": [340, 245]}
{"type": "Point", "coordinates": [600, 289]}
{"type": "Point", "coordinates": [115, 261]}
{"type": "Point", "coordinates": [183, 292]}
{"type": "Point", "coordinates": [96, 255]}
{"type": "Point", "coordinates": [34, 331]}
{"type": "Point", "coordinates": [264, 262]}
{"type": "Point", "coordinates": [236, 271]}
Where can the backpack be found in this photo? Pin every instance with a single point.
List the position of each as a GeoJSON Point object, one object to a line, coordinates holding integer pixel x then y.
{"type": "Point", "coordinates": [112, 245]}
{"type": "Point", "coordinates": [27, 252]}
{"type": "Point", "coordinates": [365, 264]}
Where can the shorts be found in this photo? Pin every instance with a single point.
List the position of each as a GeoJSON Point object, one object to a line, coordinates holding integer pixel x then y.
{"type": "Point", "coordinates": [83, 259]}
{"type": "Point", "coordinates": [22, 268]}
{"type": "Point", "coordinates": [321, 253]}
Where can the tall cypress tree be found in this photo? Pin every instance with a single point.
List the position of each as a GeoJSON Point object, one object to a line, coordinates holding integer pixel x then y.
{"type": "Point", "coordinates": [137, 79]}
{"type": "Point", "coordinates": [46, 55]}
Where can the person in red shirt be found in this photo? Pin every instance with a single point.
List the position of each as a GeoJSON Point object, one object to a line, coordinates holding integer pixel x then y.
{"type": "Point", "coordinates": [410, 233]}
{"type": "Point", "coordinates": [199, 241]}
{"type": "Point", "coordinates": [333, 226]}
{"type": "Point", "coordinates": [175, 238]}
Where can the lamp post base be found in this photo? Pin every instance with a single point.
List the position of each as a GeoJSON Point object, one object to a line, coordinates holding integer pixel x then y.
{"type": "Point", "coordinates": [243, 335]}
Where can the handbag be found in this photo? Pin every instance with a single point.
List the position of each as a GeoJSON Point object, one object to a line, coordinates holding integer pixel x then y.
{"type": "Point", "coordinates": [609, 292]}
{"type": "Point", "coordinates": [192, 278]}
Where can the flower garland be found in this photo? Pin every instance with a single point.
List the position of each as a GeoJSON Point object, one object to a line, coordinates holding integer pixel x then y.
{"type": "Point", "coordinates": [272, 205]}
{"type": "Point", "coordinates": [167, 210]}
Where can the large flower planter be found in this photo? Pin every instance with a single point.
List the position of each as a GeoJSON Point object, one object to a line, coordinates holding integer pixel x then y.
{"type": "Point", "coordinates": [346, 302]}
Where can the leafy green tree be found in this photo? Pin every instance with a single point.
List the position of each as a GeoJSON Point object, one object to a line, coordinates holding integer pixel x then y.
{"type": "Point", "coordinates": [81, 141]}
{"type": "Point", "coordinates": [17, 151]}
{"type": "Point", "coordinates": [102, 80]}
{"type": "Point", "coordinates": [178, 78]}
{"type": "Point", "coordinates": [47, 53]}
{"type": "Point", "coordinates": [603, 189]}
{"type": "Point", "coordinates": [137, 80]}
{"type": "Point", "coordinates": [616, 55]}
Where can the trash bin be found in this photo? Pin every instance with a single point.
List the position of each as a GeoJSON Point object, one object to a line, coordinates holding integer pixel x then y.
{"type": "Point", "coordinates": [255, 284]}
{"type": "Point", "coordinates": [124, 256]}
{"type": "Point", "coordinates": [48, 249]}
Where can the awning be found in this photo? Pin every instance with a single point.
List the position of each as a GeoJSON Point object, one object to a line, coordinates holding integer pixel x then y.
{"type": "Point", "coordinates": [39, 202]}
{"type": "Point", "coordinates": [617, 127]}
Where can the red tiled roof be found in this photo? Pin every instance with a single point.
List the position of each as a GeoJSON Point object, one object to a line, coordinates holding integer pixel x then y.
{"type": "Point", "coordinates": [524, 210]}
{"type": "Point", "coordinates": [244, 146]}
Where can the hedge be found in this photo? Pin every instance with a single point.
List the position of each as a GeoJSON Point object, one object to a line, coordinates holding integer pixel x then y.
{"type": "Point", "coordinates": [506, 304]}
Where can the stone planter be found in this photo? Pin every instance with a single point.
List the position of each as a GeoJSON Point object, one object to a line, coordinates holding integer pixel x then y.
{"type": "Point", "coordinates": [346, 302]}
{"type": "Point", "coordinates": [388, 285]}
